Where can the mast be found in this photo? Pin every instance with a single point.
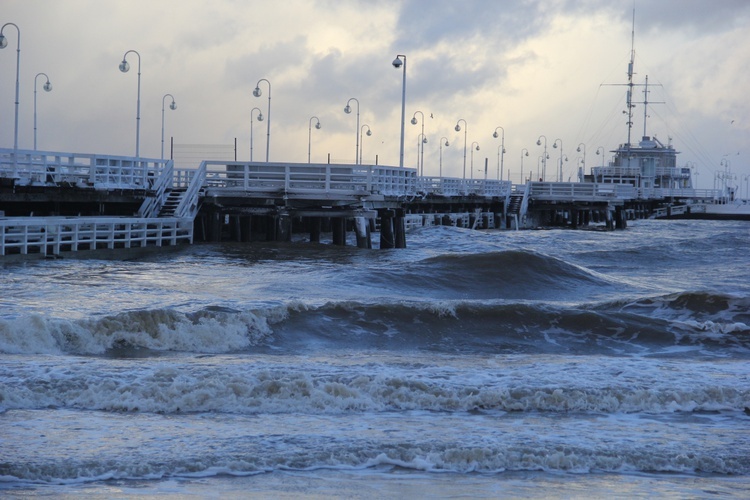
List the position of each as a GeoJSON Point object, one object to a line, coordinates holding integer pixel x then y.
{"type": "Point", "coordinates": [630, 80]}
{"type": "Point", "coordinates": [645, 105]}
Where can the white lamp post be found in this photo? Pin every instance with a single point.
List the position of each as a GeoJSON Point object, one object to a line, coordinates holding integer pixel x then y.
{"type": "Point", "coordinates": [524, 152]}
{"type": "Point", "coordinates": [347, 110]}
{"type": "Point", "coordinates": [172, 106]}
{"type": "Point", "coordinates": [423, 141]}
{"type": "Point", "coordinates": [260, 119]}
{"type": "Point", "coordinates": [441, 153]}
{"type": "Point", "coordinates": [124, 67]}
{"type": "Point", "coordinates": [472, 157]}
{"type": "Point", "coordinates": [500, 151]}
{"type": "Point", "coordinates": [3, 44]}
{"type": "Point", "coordinates": [362, 142]}
{"type": "Point", "coordinates": [397, 64]}
{"type": "Point", "coordinates": [544, 157]}
{"type": "Point", "coordinates": [309, 134]}
{"type": "Point", "coordinates": [554, 145]}
{"type": "Point", "coordinates": [47, 87]}
{"type": "Point", "coordinates": [582, 170]}
{"type": "Point", "coordinates": [466, 129]}
{"type": "Point", "coordinates": [257, 93]}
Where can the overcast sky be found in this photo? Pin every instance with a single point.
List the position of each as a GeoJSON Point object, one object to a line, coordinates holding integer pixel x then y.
{"type": "Point", "coordinates": [532, 67]}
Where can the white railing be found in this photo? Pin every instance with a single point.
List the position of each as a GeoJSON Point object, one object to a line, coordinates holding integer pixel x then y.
{"type": "Point", "coordinates": [53, 235]}
{"type": "Point", "coordinates": [659, 193]}
{"type": "Point", "coordinates": [193, 180]}
{"type": "Point", "coordinates": [570, 191]}
{"type": "Point", "coordinates": [446, 186]}
{"type": "Point", "coordinates": [82, 170]}
{"type": "Point", "coordinates": [291, 178]}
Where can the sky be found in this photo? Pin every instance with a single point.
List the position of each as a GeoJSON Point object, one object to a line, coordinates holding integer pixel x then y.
{"type": "Point", "coordinates": [551, 68]}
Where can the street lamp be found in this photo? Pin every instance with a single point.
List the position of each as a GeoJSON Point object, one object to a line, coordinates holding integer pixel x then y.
{"type": "Point", "coordinates": [582, 170]}
{"type": "Point", "coordinates": [441, 153]}
{"type": "Point", "coordinates": [397, 64]}
{"type": "Point", "coordinates": [172, 106]}
{"type": "Point", "coordinates": [597, 152]}
{"type": "Point", "coordinates": [554, 145]}
{"type": "Point", "coordinates": [257, 93]}
{"type": "Point", "coordinates": [524, 150]}
{"type": "Point", "coordinates": [368, 133]}
{"type": "Point", "coordinates": [562, 158]}
{"type": "Point", "coordinates": [124, 67]}
{"type": "Point", "coordinates": [3, 44]}
{"type": "Point", "coordinates": [347, 110]}
{"type": "Point", "coordinates": [47, 87]}
{"type": "Point", "coordinates": [260, 119]}
{"type": "Point", "coordinates": [472, 157]}
{"type": "Point", "coordinates": [422, 142]}
{"type": "Point", "coordinates": [500, 151]}
{"type": "Point", "coordinates": [309, 134]}
{"type": "Point", "coordinates": [544, 157]}
{"type": "Point", "coordinates": [466, 129]}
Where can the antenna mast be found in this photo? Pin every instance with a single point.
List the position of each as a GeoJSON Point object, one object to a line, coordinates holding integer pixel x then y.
{"type": "Point", "coordinates": [630, 80]}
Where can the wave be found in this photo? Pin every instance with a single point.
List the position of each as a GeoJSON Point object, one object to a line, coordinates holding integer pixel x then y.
{"type": "Point", "coordinates": [701, 320]}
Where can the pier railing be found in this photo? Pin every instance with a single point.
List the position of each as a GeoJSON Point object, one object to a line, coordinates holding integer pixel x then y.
{"type": "Point", "coordinates": [44, 168]}
{"type": "Point", "coordinates": [446, 186]}
{"type": "Point", "coordinates": [309, 179]}
{"type": "Point", "coordinates": [580, 191]}
{"type": "Point", "coordinates": [53, 235]}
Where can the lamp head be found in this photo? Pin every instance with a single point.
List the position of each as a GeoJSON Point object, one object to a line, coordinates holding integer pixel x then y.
{"type": "Point", "coordinates": [477, 147]}
{"type": "Point", "coordinates": [257, 92]}
{"type": "Point", "coordinates": [538, 142]}
{"type": "Point", "coordinates": [4, 43]}
{"type": "Point", "coordinates": [347, 109]}
{"type": "Point", "coordinates": [578, 149]}
{"type": "Point", "coordinates": [173, 105]}
{"type": "Point", "coordinates": [494, 134]}
{"type": "Point", "coordinates": [424, 140]}
{"type": "Point", "coordinates": [597, 151]}
{"type": "Point", "coordinates": [369, 132]}
{"type": "Point", "coordinates": [458, 127]}
{"type": "Point", "coordinates": [124, 66]}
{"type": "Point", "coordinates": [317, 125]}
{"type": "Point", "coordinates": [447, 144]}
{"type": "Point", "coordinates": [47, 86]}
{"type": "Point", "coordinates": [554, 146]}
{"type": "Point", "coordinates": [527, 153]}
{"type": "Point", "coordinates": [414, 120]}
{"type": "Point", "coordinates": [397, 63]}
{"type": "Point", "coordinates": [260, 117]}
{"type": "Point", "coordinates": [504, 151]}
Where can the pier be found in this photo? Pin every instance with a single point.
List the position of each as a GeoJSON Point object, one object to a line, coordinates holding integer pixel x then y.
{"type": "Point", "coordinates": [54, 203]}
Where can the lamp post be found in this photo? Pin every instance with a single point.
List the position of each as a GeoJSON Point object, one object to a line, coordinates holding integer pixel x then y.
{"type": "Point", "coordinates": [466, 129]}
{"type": "Point", "coordinates": [397, 64]}
{"type": "Point", "coordinates": [347, 110]}
{"type": "Point", "coordinates": [124, 67]}
{"type": "Point", "coordinates": [3, 44]}
{"type": "Point", "coordinates": [423, 141]}
{"type": "Point", "coordinates": [441, 153]}
{"type": "Point", "coordinates": [309, 134]}
{"type": "Point", "coordinates": [47, 87]}
{"type": "Point", "coordinates": [597, 152]}
{"type": "Point", "coordinates": [260, 119]}
{"type": "Point", "coordinates": [500, 151]}
{"type": "Point", "coordinates": [257, 93]}
{"type": "Point", "coordinates": [582, 169]}
{"type": "Point", "coordinates": [524, 150]}
{"type": "Point", "coordinates": [172, 106]}
{"type": "Point", "coordinates": [554, 145]}
{"type": "Point", "coordinates": [368, 133]}
{"type": "Point", "coordinates": [544, 157]}
{"type": "Point", "coordinates": [562, 158]}
{"type": "Point", "coordinates": [472, 158]}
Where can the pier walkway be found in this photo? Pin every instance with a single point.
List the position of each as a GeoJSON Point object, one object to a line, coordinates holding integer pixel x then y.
{"type": "Point", "coordinates": [54, 202]}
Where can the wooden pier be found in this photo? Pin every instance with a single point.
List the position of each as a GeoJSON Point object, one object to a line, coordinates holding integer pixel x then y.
{"type": "Point", "coordinates": [54, 203]}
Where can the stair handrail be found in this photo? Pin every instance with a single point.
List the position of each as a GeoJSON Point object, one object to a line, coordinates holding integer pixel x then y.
{"type": "Point", "coordinates": [525, 201]}
{"type": "Point", "coordinates": [153, 202]}
{"type": "Point", "coordinates": [189, 203]}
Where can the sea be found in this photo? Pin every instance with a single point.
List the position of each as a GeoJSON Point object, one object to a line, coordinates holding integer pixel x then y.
{"type": "Point", "coordinates": [472, 364]}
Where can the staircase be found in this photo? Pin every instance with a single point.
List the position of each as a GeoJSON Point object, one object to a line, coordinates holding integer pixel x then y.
{"type": "Point", "coordinates": [515, 203]}
{"type": "Point", "coordinates": [173, 200]}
